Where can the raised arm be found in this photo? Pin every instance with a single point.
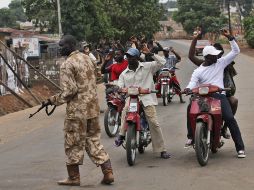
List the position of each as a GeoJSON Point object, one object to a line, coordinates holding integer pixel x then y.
{"type": "Point", "coordinates": [104, 69]}
{"type": "Point", "coordinates": [178, 57]}
{"type": "Point", "coordinates": [234, 49]}
{"type": "Point", "coordinates": [157, 63]}
{"type": "Point", "coordinates": [160, 48]}
{"type": "Point", "coordinates": [192, 56]}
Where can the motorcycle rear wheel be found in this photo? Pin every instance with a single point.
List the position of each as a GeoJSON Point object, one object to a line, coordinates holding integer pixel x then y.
{"type": "Point", "coordinates": [131, 144]}
{"type": "Point", "coordinates": [201, 144]}
{"type": "Point", "coordinates": [111, 122]}
{"type": "Point", "coordinates": [165, 95]}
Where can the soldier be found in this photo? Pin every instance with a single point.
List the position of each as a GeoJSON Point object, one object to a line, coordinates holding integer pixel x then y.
{"type": "Point", "coordinates": [81, 125]}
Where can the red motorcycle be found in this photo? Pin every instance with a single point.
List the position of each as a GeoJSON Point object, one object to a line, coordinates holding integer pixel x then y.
{"type": "Point", "coordinates": [206, 121]}
{"type": "Point", "coordinates": [112, 117]}
{"type": "Point", "coordinates": [166, 85]}
{"type": "Point", "coordinates": [138, 134]}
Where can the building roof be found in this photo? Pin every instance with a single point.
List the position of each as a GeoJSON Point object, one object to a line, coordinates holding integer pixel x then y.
{"type": "Point", "coordinates": [14, 33]}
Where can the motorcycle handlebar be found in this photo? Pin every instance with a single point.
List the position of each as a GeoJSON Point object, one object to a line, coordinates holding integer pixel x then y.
{"type": "Point", "coordinates": [154, 91]}
{"type": "Point", "coordinates": [191, 91]}
{"type": "Point", "coordinates": [225, 89]}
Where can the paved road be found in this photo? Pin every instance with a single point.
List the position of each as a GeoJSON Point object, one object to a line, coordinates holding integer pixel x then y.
{"type": "Point", "coordinates": [32, 155]}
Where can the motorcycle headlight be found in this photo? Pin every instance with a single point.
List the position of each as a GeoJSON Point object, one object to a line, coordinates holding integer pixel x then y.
{"type": "Point", "coordinates": [165, 73]}
{"type": "Point", "coordinates": [203, 90]}
{"type": "Point", "coordinates": [133, 91]}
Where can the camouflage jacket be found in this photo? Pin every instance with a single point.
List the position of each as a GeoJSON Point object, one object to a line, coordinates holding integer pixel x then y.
{"type": "Point", "coordinates": [78, 81]}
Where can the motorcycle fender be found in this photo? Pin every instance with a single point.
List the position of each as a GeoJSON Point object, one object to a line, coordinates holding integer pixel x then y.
{"type": "Point", "coordinates": [112, 104]}
{"type": "Point", "coordinates": [206, 118]}
{"type": "Point", "coordinates": [132, 118]}
{"type": "Point", "coordinates": [162, 88]}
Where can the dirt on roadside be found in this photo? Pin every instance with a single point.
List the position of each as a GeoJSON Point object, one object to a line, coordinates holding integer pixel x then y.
{"type": "Point", "coordinates": [9, 103]}
{"type": "Point", "coordinates": [245, 49]}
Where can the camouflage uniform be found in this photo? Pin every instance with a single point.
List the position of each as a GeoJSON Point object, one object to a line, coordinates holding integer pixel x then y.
{"type": "Point", "coordinates": [81, 126]}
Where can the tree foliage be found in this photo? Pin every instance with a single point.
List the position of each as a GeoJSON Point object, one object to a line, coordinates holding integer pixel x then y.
{"type": "Point", "coordinates": [249, 29]}
{"type": "Point", "coordinates": [9, 16]}
{"type": "Point", "coordinates": [42, 12]}
{"type": "Point", "coordinates": [245, 6]}
{"type": "Point", "coordinates": [203, 13]}
{"type": "Point", "coordinates": [92, 20]}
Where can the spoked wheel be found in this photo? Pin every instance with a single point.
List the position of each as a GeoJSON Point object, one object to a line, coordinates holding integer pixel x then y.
{"type": "Point", "coordinates": [131, 144]}
{"type": "Point", "coordinates": [165, 95]}
{"type": "Point", "coordinates": [111, 122]}
{"type": "Point", "coordinates": [201, 144]}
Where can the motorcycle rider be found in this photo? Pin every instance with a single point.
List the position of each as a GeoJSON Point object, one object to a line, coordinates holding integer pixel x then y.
{"type": "Point", "coordinates": [172, 58]}
{"type": "Point", "coordinates": [229, 73]}
{"type": "Point", "coordinates": [141, 74]}
{"type": "Point", "coordinates": [211, 72]}
{"type": "Point", "coordinates": [117, 67]}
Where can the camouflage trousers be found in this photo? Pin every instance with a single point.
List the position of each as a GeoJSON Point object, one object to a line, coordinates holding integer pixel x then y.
{"type": "Point", "coordinates": [80, 134]}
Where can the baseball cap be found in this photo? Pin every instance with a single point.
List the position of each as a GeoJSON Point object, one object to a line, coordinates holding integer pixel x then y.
{"type": "Point", "coordinates": [133, 52]}
{"type": "Point", "coordinates": [210, 50]}
{"type": "Point", "coordinates": [166, 49]}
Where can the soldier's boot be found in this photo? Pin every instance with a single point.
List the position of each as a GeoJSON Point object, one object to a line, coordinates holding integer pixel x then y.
{"type": "Point", "coordinates": [107, 171]}
{"type": "Point", "coordinates": [74, 176]}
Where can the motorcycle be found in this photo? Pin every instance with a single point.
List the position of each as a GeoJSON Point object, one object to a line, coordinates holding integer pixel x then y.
{"type": "Point", "coordinates": [206, 121]}
{"type": "Point", "coordinates": [166, 85]}
{"type": "Point", "coordinates": [138, 135]}
{"type": "Point", "coordinates": [112, 116]}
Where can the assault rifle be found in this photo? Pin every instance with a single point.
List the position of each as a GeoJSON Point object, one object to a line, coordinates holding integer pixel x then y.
{"type": "Point", "coordinates": [44, 105]}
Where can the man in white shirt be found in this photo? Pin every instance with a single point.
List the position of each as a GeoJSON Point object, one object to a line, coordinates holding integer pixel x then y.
{"type": "Point", "coordinates": [141, 74]}
{"type": "Point", "coordinates": [211, 72]}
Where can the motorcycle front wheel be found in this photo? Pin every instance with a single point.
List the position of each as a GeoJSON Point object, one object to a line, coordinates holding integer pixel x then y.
{"type": "Point", "coordinates": [131, 144]}
{"type": "Point", "coordinates": [165, 95]}
{"type": "Point", "coordinates": [111, 122]}
{"type": "Point", "coordinates": [201, 144]}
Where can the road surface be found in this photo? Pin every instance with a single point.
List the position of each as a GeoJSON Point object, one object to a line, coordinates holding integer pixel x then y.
{"type": "Point", "coordinates": [32, 153]}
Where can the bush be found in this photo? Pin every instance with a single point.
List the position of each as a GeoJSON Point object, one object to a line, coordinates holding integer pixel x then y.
{"type": "Point", "coordinates": [249, 30]}
{"type": "Point", "coordinates": [250, 38]}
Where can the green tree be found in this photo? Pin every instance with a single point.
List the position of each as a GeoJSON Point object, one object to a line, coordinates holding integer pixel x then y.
{"type": "Point", "coordinates": [9, 16]}
{"type": "Point", "coordinates": [204, 13]}
{"type": "Point", "coordinates": [92, 20]}
{"type": "Point", "coordinates": [43, 13]}
{"type": "Point", "coordinates": [245, 6]}
{"type": "Point", "coordinates": [131, 17]}
{"type": "Point", "coordinates": [7, 19]}
{"type": "Point", "coordinates": [249, 29]}
{"type": "Point", "coordinates": [17, 10]}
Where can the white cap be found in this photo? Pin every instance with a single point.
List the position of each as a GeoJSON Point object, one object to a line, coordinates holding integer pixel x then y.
{"type": "Point", "coordinates": [166, 49]}
{"type": "Point", "coordinates": [210, 50]}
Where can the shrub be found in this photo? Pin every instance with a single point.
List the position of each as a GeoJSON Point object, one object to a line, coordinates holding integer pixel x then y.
{"type": "Point", "coordinates": [249, 30]}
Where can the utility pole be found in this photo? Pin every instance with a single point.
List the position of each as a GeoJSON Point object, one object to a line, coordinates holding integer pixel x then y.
{"type": "Point", "coordinates": [229, 18]}
{"type": "Point", "coordinates": [59, 18]}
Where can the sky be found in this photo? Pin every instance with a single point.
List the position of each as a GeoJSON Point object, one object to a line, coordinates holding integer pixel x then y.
{"type": "Point", "coordinates": [4, 3]}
